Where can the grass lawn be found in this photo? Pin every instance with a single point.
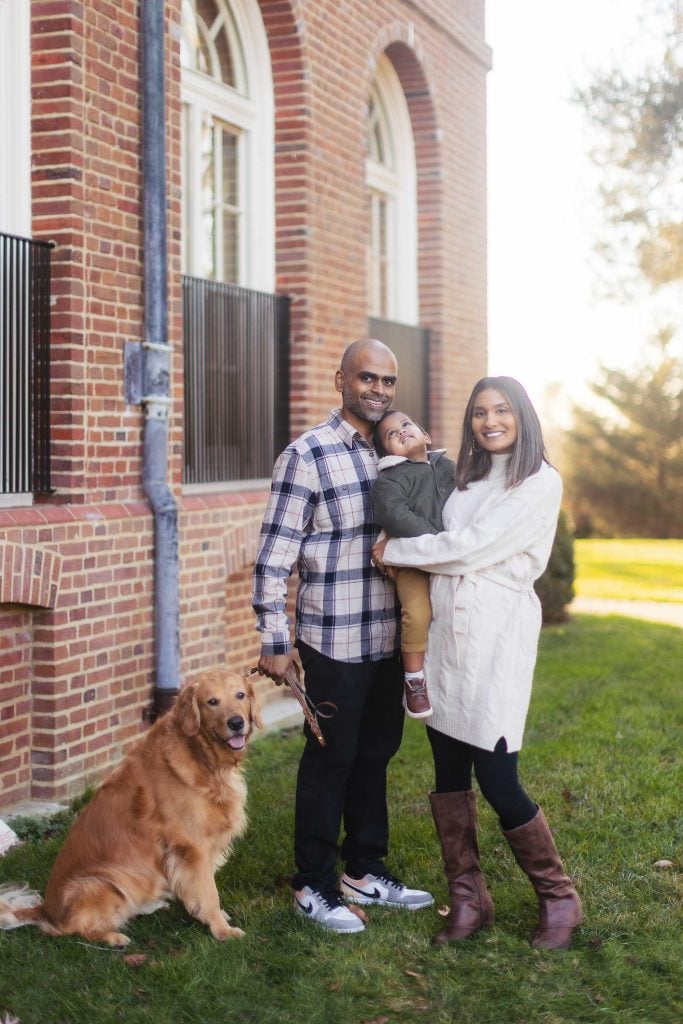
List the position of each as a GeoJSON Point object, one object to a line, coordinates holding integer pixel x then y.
{"type": "Point", "coordinates": [630, 570]}
{"type": "Point", "coordinates": [603, 759]}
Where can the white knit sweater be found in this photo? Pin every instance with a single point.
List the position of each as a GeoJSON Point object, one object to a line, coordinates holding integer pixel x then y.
{"type": "Point", "coordinates": [486, 616]}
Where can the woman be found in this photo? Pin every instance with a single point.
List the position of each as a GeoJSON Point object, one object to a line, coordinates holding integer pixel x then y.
{"type": "Point", "coordinates": [499, 526]}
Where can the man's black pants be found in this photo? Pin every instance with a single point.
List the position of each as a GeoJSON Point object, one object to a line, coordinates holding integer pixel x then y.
{"type": "Point", "coordinates": [346, 779]}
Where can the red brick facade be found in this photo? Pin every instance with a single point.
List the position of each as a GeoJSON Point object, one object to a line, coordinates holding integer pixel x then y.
{"type": "Point", "coordinates": [76, 570]}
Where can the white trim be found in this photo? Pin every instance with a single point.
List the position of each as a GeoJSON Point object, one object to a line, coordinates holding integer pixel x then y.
{"type": "Point", "coordinates": [15, 117]}
{"type": "Point", "coordinates": [21, 500]}
{"type": "Point", "coordinates": [253, 113]}
{"type": "Point", "coordinates": [399, 183]}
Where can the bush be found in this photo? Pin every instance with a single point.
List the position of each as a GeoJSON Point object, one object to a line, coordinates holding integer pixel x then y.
{"type": "Point", "coordinates": [555, 587]}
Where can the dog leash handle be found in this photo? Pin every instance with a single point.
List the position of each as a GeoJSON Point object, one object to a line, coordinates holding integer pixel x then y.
{"type": "Point", "coordinates": [291, 677]}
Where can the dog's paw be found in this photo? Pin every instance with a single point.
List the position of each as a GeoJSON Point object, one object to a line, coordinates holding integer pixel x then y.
{"type": "Point", "coordinates": [226, 931]}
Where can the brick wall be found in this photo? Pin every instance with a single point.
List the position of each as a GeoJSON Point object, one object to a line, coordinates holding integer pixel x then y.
{"type": "Point", "coordinates": [76, 570]}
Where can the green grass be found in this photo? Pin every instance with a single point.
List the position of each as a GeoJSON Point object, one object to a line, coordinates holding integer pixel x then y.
{"type": "Point", "coordinates": [630, 570]}
{"type": "Point", "coordinates": [603, 759]}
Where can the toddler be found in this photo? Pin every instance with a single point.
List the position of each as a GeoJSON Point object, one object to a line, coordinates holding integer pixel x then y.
{"type": "Point", "coordinates": [408, 498]}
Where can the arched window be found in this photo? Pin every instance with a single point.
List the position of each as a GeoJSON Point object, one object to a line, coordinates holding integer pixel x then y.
{"type": "Point", "coordinates": [391, 181]}
{"type": "Point", "coordinates": [228, 189]}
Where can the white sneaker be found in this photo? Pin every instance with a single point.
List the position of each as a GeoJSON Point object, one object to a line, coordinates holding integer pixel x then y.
{"type": "Point", "coordinates": [327, 909]}
{"type": "Point", "coordinates": [385, 891]}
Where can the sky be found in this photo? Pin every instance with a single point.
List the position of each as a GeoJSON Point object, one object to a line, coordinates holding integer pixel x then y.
{"type": "Point", "coordinates": [546, 324]}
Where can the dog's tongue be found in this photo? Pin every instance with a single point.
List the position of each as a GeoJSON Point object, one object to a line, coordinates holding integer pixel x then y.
{"type": "Point", "coordinates": [236, 742]}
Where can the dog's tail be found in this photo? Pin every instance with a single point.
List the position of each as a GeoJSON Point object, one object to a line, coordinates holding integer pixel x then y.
{"type": "Point", "coordinates": [19, 905]}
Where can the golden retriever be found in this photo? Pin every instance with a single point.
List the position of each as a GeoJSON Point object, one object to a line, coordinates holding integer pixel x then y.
{"type": "Point", "coordinates": [159, 826]}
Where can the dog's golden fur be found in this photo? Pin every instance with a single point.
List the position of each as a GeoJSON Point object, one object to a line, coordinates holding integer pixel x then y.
{"type": "Point", "coordinates": [159, 826]}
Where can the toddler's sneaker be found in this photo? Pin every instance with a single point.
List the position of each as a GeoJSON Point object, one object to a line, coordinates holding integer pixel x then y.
{"type": "Point", "coordinates": [328, 910]}
{"type": "Point", "coordinates": [416, 699]}
{"type": "Point", "coordinates": [385, 891]}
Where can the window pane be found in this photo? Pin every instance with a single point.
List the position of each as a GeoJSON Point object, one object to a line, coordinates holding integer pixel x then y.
{"type": "Point", "coordinates": [379, 135]}
{"type": "Point", "coordinates": [225, 69]}
{"type": "Point", "coordinates": [206, 43]}
{"type": "Point", "coordinates": [206, 258]}
{"type": "Point", "coordinates": [186, 195]}
{"type": "Point", "coordinates": [374, 134]}
{"type": "Point", "coordinates": [230, 246]}
{"type": "Point", "coordinates": [229, 146]}
{"type": "Point", "coordinates": [382, 227]}
{"type": "Point", "coordinates": [378, 256]}
{"type": "Point", "coordinates": [194, 48]}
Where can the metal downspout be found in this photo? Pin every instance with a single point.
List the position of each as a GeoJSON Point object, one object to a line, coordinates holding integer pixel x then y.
{"type": "Point", "coordinates": [156, 361]}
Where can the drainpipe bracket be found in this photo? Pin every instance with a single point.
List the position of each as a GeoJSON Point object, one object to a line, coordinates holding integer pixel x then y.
{"type": "Point", "coordinates": [156, 346]}
{"type": "Point", "coordinates": [157, 407]}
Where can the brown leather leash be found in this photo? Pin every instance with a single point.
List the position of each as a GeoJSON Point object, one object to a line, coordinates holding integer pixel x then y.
{"type": "Point", "coordinates": [312, 712]}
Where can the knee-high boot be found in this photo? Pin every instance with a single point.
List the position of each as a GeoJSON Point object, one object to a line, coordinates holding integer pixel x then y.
{"type": "Point", "coordinates": [455, 817]}
{"type": "Point", "coordinates": [558, 902]}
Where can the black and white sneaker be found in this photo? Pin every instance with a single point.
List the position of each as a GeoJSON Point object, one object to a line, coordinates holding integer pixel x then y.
{"type": "Point", "coordinates": [328, 910]}
{"type": "Point", "coordinates": [385, 891]}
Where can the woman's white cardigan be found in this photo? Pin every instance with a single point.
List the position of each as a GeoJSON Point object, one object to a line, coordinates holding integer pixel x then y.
{"type": "Point", "coordinates": [486, 615]}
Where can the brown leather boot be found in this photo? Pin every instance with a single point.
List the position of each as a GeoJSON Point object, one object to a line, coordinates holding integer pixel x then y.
{"type": "Point", "coordinates": [455, 817]}
{"type": "Point", "coordinates": [558, 902]}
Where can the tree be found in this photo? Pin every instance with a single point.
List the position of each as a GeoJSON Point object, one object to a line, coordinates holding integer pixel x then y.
{"type": "Point", "coordinates": [555, 588]}
{"type": "Point", "coordinates": [639, 122]}
{"type": "Point", "coordinates": [623, 461]}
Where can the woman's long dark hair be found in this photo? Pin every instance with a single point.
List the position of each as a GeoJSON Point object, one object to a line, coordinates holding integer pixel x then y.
{"type": "Point", "coordinates": [529, 451]}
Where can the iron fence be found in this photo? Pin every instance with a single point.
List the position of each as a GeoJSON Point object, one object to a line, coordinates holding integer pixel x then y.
{"type": "Point", "coordinates": [236, 345]}
{"type": "Point", "coordinates": [24, 365]}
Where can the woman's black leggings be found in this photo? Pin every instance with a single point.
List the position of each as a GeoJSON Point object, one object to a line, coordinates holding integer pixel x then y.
{"type": "Point", "coordinates": [495, 771]}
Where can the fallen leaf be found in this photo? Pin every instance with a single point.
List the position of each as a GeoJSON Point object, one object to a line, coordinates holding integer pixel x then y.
{"type": "Point", "coordinates": [597, 998]}
{"type": "Point", "coordinates": [358, 912]}
{"type": "Point", "coordinates": [595, 943]}
{"type": "Point", "coordinates": [135, 959]}
{"type": "Point", "coordinates": [663, 864]}
{"type": "Point", "coordinates": [444, 911]}
{"type": "Point", "coordinates": [334, 986]}
{"type": "Point", "coordinates": [413, 974]}
{"type": "Point", "coordinates": [567, 796]}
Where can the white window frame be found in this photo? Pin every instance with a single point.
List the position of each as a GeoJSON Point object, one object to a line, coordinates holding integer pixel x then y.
{"type": "Point", "coordinates": [397, 180]}
{"type": "Point", "coordinates": [15, 151]}
{"type": "Point", "coordinates": [249, 109]}
{"type": "Point", "coordinates": [15, 117]}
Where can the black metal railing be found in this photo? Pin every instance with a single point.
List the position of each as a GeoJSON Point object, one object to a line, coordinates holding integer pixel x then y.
{"type": "Point", "coordinates": [410, 345]}
{"type": "Point", "coordinates": [24, 365]}
{"type": "Point", "coordinates": [236, 344]}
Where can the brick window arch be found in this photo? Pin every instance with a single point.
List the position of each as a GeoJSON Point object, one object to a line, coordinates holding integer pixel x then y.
{"type": "Point", "coordinates": [228, 180]}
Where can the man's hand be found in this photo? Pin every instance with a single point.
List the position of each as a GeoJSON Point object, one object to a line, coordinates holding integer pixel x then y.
{"type": "Point", "coordinates": [378, 558]}
{"type": "Point", "coordinates": [274, 666]}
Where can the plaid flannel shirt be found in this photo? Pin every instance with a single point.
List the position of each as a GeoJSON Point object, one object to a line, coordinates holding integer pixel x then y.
{"type": "Point", "coordinates": [319, 518]}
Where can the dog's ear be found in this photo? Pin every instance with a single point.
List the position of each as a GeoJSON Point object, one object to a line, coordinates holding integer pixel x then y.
{"type": "Point", "coordinates": [186, 710]}
{"type": "Point", "coordinates": [254, 706]}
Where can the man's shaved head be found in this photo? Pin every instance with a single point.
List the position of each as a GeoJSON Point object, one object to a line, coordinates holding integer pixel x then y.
{"type": "Point", "coordinates": [361, 347]}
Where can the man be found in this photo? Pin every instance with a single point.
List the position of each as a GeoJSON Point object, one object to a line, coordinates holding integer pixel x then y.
{"type": "Point", "coordinates": [319, 518]}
